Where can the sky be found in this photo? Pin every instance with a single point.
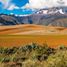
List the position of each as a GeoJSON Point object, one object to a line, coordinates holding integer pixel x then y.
{"type": "Point", "coordinates": [20, 7]}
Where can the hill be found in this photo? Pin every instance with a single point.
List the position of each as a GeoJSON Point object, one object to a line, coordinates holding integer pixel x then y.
{"type": "Point", "coordinates": [39, 19]}
{"type": "Point", "coordinates": [31, 29]}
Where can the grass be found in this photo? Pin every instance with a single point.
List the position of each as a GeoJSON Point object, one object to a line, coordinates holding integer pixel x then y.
{"type": "Point", "coordinates": [33, 55]}
{"type": "Point", "coordinates": [18, 40]}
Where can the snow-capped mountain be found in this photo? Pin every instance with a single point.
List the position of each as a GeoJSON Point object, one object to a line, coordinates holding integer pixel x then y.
{"type": "Point", "coordinates": [53, 10]}
{"type": "Point", "coordinates": [56, 16]}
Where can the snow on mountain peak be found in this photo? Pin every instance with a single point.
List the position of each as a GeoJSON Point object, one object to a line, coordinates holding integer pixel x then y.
{"type": "Point", "coordinates": [51, 11]}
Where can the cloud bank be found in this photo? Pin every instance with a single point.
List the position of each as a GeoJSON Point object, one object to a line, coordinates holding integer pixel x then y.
{"type": "Point", "coordinates": [34, 4]}
{"type": "Point", "coordinates": [12, 7]}
{"type": "Point", "coordinates": [7, 4]}
{"type": "Point", "coordinates": [45, 3]}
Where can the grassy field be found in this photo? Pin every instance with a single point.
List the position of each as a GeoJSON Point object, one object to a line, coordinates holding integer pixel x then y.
{"type": "Point", "coordinates": [18, 40]}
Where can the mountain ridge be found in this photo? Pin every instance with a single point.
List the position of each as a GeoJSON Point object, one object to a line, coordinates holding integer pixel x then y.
{"type": "Point", "coordinates": [49, 19]}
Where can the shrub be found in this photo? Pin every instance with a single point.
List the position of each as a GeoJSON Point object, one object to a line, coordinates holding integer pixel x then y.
{"type": "Point", "coordinates": [34, 55]}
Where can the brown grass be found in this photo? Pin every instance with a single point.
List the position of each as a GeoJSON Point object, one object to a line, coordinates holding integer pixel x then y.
{"type": "Point", "coordinates": [31, 30]}
{"type": "Point", "coordinates": [23, 34]}
{"type": "Point", "coordinates": [19, 40]}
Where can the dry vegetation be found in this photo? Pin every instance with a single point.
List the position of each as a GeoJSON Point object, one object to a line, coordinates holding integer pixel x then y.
{"type": "Point", "coordinates": [36, 46]}
{"type": "Point", "coordinates": [19, 40]}
{"type": "Point", "coordinates": [33, 55]}
{"type": "Point", "coordinates": [31, 29]}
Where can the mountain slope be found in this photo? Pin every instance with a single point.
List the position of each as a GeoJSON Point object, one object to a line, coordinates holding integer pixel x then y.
{"type": "Point", "coordinates": [53, 19]}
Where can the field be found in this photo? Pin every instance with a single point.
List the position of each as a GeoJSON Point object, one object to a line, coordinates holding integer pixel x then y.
{"type": "Point", "coordinates": [29, 33]}
{"type": "Point", "coordinates": [31, 29]}
{"type": "Point", "coordinates": [33, 46]}
{"type": "Point", "coordinates": [18, 40]}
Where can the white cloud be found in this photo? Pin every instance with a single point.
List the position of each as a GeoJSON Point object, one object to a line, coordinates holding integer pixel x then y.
{"type": "Point", "coordinates": [12, 7]}
{"type": "Point", "coordinates": [34, 4]}
{"type": "Point", "coordinates": [45, 3]}
{"type": "Point", "coordinates": [5, 3]}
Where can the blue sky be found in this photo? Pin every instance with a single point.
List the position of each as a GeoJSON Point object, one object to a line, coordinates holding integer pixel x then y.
{"type": "Point", "coordinates": [21, 7]}
{"type": "Point", "coordinates": [20, 3]}
{"type": "Point", "coordinates": [17, 3]}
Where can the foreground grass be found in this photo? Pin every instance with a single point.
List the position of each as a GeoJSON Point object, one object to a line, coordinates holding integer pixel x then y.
{"type": "Point", "coordinates": [33, 55]}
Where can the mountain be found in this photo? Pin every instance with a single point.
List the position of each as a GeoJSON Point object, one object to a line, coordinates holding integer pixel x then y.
{"type": "Point", "coordinates": [56, 16]}
{"type": "Point", "coordinates": [53, 10]}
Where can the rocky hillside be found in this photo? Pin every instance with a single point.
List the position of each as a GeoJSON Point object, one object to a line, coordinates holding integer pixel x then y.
{"type": "Point", "coordinates": [56, 19]}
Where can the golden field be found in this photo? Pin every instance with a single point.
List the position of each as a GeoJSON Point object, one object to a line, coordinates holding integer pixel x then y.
{"type": "Point", "coordinates": [23, 34]}
{"type": "Point", "coordinates": [31, 29]}
{"type": "Point", "coordinates": [19, 40]}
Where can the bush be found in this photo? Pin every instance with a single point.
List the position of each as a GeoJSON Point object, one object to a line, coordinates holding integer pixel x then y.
{"type": "Point", "coordinates": [34, 55]}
